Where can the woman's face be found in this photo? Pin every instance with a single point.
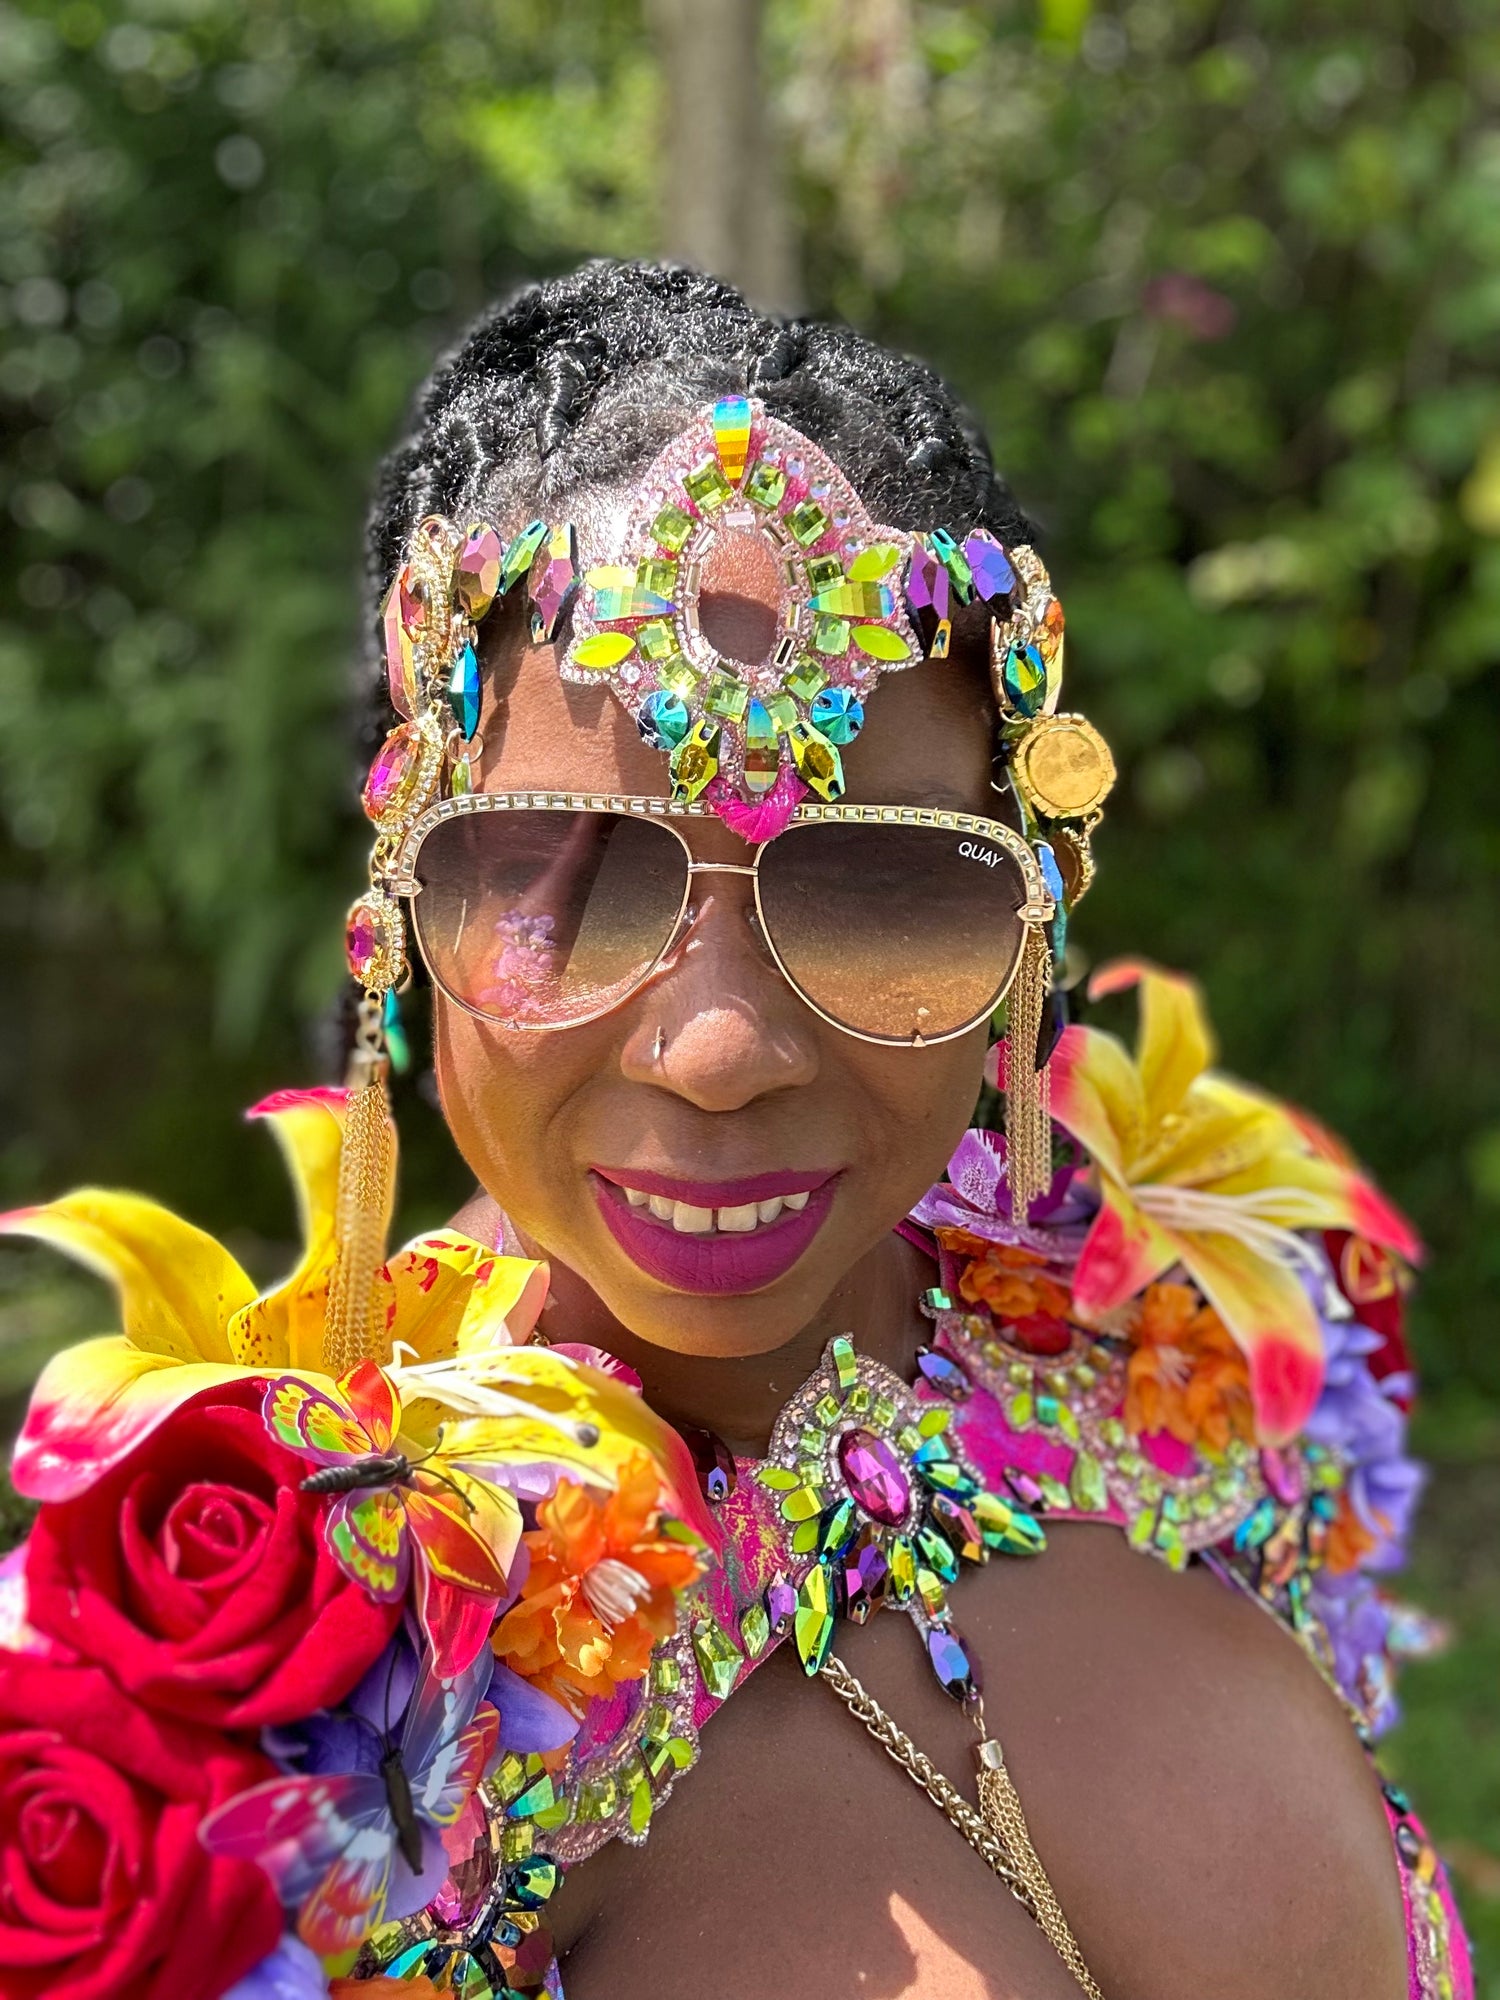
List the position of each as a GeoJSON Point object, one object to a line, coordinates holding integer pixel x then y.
{"type": "Point", "coordinates": [752, 1099]}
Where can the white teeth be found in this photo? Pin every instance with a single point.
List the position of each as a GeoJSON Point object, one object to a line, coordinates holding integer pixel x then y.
{"type": "Point", "coordinates": [689, 1221]}
{"type": "Point", "coordinates": [737, 1220]}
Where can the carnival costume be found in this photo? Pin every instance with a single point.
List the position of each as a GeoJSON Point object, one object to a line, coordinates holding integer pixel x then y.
{"type": "Point", "coordinates": [369, 1618]}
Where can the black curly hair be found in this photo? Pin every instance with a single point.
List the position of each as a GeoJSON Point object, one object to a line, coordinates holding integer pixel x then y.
{"type": "Point", "coordinates": [584, 378]}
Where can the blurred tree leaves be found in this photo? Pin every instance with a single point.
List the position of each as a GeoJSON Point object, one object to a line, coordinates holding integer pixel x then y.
{"type": "Point", "coordinates": [1223, 281]}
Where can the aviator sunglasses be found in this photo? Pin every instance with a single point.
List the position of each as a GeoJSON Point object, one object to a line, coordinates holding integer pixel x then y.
{"type": "Point", "coordinates": [899, 924]}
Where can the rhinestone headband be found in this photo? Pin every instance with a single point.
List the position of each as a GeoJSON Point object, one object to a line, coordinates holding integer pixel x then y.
{"type": "Point", "coordinates": [739, 505]}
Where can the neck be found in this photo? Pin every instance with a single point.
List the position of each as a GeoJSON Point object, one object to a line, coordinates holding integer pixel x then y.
{"type": "Point", "coordinates": [739, 1397]}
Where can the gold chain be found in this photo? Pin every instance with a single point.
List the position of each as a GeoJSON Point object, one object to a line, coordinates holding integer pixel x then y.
{"type": "Point", "coordinates": [997, 1833]}
{"type": "Point", "coordinates": [1028, 1129]}
{"type": "Point", "coordinates": [365, 1166]}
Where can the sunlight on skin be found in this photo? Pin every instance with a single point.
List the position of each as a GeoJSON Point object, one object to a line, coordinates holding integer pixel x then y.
{"type": "Point", "coordinates": [936, 1967]}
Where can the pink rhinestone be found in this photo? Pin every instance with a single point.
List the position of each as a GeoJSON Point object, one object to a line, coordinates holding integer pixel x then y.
{"type": "Point", "coordinates": [874, 1477]}
{"type": "Point", "coordinates": [400, 657]}
{"type": "Point", "coordinates": [476, 575]}
{"type": "Point", "coordinates": [362, 941]}
{"type": "Point", "coordinates": [392, 773]}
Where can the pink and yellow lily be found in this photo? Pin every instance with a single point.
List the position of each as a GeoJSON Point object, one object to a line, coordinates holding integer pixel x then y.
{"type": "Point", "coordinates": [1200, 1171]}
{"type": "Point", "coordinates": [192, 1320]}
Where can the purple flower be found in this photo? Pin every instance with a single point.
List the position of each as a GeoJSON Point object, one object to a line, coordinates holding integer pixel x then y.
{"type": "Point", "coordinates": [1354, 1615]}
{"type": "Point", "coordinates": [976, 1197]}
{"type": "Point", "coordinates": [1355, 1416]}
{"type": "Point", "coordinates": [290, 1972]}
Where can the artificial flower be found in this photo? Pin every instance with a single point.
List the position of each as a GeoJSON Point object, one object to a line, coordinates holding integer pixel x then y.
{"type": "Point", "coordinates": [290, 1972]}
{"type": "Point", "coordinates": [601, 1591]}
{"type": "Point", "coordinates": [1360, 1418]}
{"type": "Point", "coordinates": [192, 1319]}
{"type": "Point", "coordinates": [975, 1198]}
{"type": "Point", "coordinates": [1357, 1620]}
{"type": "Point", "coordinates": [1196, 1170]}
{"type": "Point", "coordinates": [105, 1890]}
{"type": "Point", "coordinates": [198, 1573]}
{"type": "Point", "coordinates": [1184, 1374]}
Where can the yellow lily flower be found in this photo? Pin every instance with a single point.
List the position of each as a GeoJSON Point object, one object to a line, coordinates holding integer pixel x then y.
{"type": "Point", "coordinates": [455, 1315]}
{"type": "Point", "coordinates": [1197, 1170]}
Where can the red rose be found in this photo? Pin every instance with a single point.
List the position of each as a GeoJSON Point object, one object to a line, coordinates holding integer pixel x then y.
{"type": "Point", "coordinates": [197, 1573]}
{"type": "Point", "coordinates": [106, 1892]}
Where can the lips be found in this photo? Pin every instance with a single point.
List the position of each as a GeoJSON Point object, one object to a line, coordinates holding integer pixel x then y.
{"type": "Point", "coordinates": [721, 1236]}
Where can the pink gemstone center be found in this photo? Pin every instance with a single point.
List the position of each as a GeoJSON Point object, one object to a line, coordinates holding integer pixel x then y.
{"type": "Point", "coordinates": [875, 1479]}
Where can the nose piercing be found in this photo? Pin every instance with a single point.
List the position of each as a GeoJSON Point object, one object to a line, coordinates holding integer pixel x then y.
{"type": "Point", "coordinates": [659, 1045]}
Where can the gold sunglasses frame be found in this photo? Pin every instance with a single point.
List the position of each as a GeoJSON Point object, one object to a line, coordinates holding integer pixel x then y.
{"type": "Point", "coordinates": [1037, 910]}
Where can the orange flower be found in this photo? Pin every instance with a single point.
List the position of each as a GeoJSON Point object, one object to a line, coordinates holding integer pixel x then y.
{"type": "Point", "coordinates": [1009, 1280]}
{"type": "Point", "coordinates": [419, 1988]}
{"type": "Point", "coordinates": [1185, 1374]}
{"type": "Point", "coordinates": [1349, 1540]}
{"type": "Point", "coordinates": [601, 1591]}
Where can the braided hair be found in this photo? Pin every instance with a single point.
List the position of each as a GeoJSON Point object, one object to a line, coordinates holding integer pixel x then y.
{"type": "Point", "coordinates": [583, 379]}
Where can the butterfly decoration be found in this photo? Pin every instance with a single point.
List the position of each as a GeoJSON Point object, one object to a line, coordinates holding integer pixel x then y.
{"type": "Point", "coordinates": [393, 1508]}
{"type": "Point", "coordinates": [353, 1847]}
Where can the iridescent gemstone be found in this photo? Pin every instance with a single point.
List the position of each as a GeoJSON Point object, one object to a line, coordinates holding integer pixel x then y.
{"type": "Point", "coordinates": [463, 690]}
{"type": "Point", "coordinates": [695, 761]}
{"type": "Point", "coordinates": [933, 1549]}
{"type": "Point", "coordinates": [719, 1658]}
{"type": "Point", "coordinates": [955, 562]}
{"type": "Point", "coordinates": [1023, 680]}
{"type": "Point", "coordinates": [713, 1461]}
{"type": "Point", "coordinates": [555, 582]}
{"type": "Point", "coordinates": [1046, 860]}
{"type": "Point", "coordinates": [812, 1622]}
{"type": "Point", "coordinates": [1010, 1530]}
{"type": "Point", "coordinates": [951, 1664]}
{"type": "Point", "coordinates": [362, 940]}
{"type": "Point", "coordinates": [875, 562]}
{"type": "Point", "coordinates": [839, 713]}
{"type": "Point", "coordinates": [1086, 1484]}
{"type": "Point", "coordinates": [943, 1373]}
{"type": "Point", "coordinates": [602, 650]}
{"type": "Point", "coordinates": [394, 773]}
{"type": "Point", "coordinates": [781, 1604]}
{"type": "Point", "coordinates": [765, 485]}
{"type": "Point", "coordinates": [818, 763]}
{"type": "Point", "coordinates": [782, 711]}
{"type": "Point", "coordinates": [929, 600]}
{"type": "Point", "coordinates": [903, 1560]}
{"type": "Point", "coordinates": [618, 594]}
{"type": "Point", "coordinates": [806, 679]}
{"type": "Point", "coordinates": [845, 1362]}
{"type": "Point", "coordinates": [755, 1630]}
{"type": "Point", "coordinates": [413, 599]}
{"type": "Point", "coordinates": [865, 1572]}
{"type": "Point", "coordinates": [657, 574]}
{"type": "Point", "coordinates": [806, 523]}
{"type": "Point", "coordinates": [706, 486]}
{"type": "Point", "coordinates": [854, 600]}
{"type": "Point", "coordinates": [533, 1882]}
{"type": "Point", "coordinates": [762, 749]}
{"type": "Point", "coordinates": [838, 1528]}
{"type": "Point", "coordinates": [875, 1477]}
{"type": "Point", "coordinates": [731, 422]}
{"type": "Point", "coordinates": [663, 720]}
{"type": "Point", "coordinates": [658, 640]}
{"type": "Point", "coordinates": [476, 573]}
{"type": "Point", "coordinates": [400, 654]}
{"type": "Point", "coordinates": [823, 572]}
{"type": "Point", "coordinates": [960, 1527]}
{"type": "Point", "coordinates": [995, 583]}
{"type": "Point", "coordinates": [521, 554]}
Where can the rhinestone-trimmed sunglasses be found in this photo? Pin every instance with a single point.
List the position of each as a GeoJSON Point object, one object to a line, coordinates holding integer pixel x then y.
{"type": "Point", "coordinates": [899, 924]}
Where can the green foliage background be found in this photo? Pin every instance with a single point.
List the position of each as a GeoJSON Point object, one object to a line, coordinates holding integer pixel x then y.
{"type": "Point", "coordinates": [1221, 276]}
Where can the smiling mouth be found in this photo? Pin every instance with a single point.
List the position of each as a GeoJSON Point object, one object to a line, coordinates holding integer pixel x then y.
{"type": "Point", "coordinates": [731, 1236]}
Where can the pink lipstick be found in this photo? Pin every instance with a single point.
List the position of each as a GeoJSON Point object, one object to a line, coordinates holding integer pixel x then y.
{"type": "Point", "coordinates": [720, 1236]}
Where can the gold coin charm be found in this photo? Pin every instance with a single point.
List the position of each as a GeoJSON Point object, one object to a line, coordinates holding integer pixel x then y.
{"type": "Point", "coordinates": [1063, 767]}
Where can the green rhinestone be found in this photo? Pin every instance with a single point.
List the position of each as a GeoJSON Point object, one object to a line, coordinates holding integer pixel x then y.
{"type": "Point", "coordinates": [806, 522]}
{"type": "Point", "coordinates": [1006, 1528]}
{"type": "Point", "coordinates": [656, 1725]}
{"type": "Point", "coordinates": [930, 1589]}
{"type": "Point", "coordinates": [1067, 1423]}
{"type": "Point", "coordinates": [934, 1550]}
{"type": "Point", "coordinates": [755, 1629]}
{"type": "Point", "coordinates": [806, 1535]}
{"type": "Point", "coordinates": [932, 1423]}
{"type": "Point", "coordinates": [810, 1471]}
{"type": "Point", "coordinates": [510, 1775]}
{"type": "Point", "coordinates": [535, 1882]}
{"type": "Point", "coordinates": [517, 1839]}
{"type": "Point", "coordinates": [871, 564]}
{"type": "Point", "coordinates": [1142, 1528]}
{"type": "Point", "coordinates": [813, 1440]}
{"type": "Point", "coordinates": [640, 1799]}
{"type": "Point", "coordinates": [657, 574]}
{"type": "Point", "coordinates": [824, 571]}
{"type": "Point", "coordinates": [518, 558]}
{"type": "Point", "coordinates": [1131, 1464]}
{"type": "Point", "coordinates": [845, 1367]}
{"type": "Point", "coordinates": [726, 697]}
{"type": "Point", "coordinates": [854, 600]}
{"type": "Point", "coordinates": [695, 761]}
{"type": "Point", "coordinates": [673, 528]}
{"type": "Point", "coordinates": [935, 1299]}
{"type": "Point", "coordinates": [782, 711]}
{"type": "Point", "coordinates": [838, 1526]}
{"type": "Point", "coordinates": [806, 679]}
{"type": "Point", "coordinates": [801, 1505]}
{"type": "Point", "coordinates": [778, 1477]}
{"type": "Point", "coordinates": [1086, 1484]}
{"type": "Point", "coordinates": [706, 486]}
{"type": "Point", "coordinates": [658, 640]}
{"type": "Point", "coordinates": [827, 1409]}
{"type": "Point", "coordinates": [535, 1800]}
{"type": "Point", "coordinates": [909, 1438]}
{"type": "Point", "coordinates": [830, 636]}
{"type": "Point", "coordinates": [1046, 1410]}
{"type": "Point", "coordinates": [812, 1623]}
{"type": "Point", "coordinates": [884, 1413]}
{"type": "Point", "coordinates": [1021, 1411]}
{"type": "Point", "coordinates": [719, 1658]}
{"type": "Point", "coordinates": [666, 1675]}
{"type": "Point", "coordinates": [765, 484]}
{"type": "Point", "coordinates": [903, 1561]}
{"type": "Point", "coordinates": [1053, 1491]}
{"type": "Point", "coordinates": [1204, 1504]}
{"type": "Point", "coordinates": [860, 1398]}
{"type": "Point", "coordinates": [678, 678]}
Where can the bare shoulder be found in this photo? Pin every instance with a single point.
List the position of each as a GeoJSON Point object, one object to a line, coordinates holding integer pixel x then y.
{"type": "Point", "coordinates": [1201, 1803]}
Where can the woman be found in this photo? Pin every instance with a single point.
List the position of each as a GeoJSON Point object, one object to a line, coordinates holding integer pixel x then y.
{"type": "Point", "coordinates": [709, 1037]}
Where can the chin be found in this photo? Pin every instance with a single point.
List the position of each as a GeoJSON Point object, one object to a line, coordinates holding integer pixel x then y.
{"type": "Point", "coordinates": [726, 1327]}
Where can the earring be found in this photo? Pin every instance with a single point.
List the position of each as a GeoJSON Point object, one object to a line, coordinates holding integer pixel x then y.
{"type": "Point", "coordinates": [659, 1045]}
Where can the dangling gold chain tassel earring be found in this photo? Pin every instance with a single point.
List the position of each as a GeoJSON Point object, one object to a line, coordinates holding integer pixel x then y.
{"type": "Point", "coordinates": [367, 1164]}
{"type": "Point", "coordinates": [1028, 1121]}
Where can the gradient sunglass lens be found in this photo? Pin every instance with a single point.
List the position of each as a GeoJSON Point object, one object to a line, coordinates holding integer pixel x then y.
{"type": "Point", "coordinates": [543, 918]}
{"type": "Point", "coordinates": [896, 932]}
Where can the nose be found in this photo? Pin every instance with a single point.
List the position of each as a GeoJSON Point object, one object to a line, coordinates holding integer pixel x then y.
{"type": "Point", "coordinates": [718, 1025]}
